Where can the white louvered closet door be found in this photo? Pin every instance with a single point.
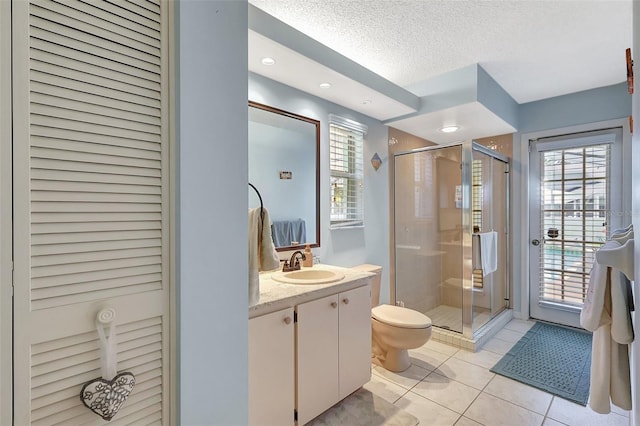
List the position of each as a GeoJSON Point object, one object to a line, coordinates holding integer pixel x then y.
{"type": "Point", "coordinates": [91, 204]}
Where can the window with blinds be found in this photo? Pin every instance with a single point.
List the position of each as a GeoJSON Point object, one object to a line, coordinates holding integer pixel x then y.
{"type": "Point", "coordinates": [477, 201]}
{"type": "Point", "coordinates": [346, 141]}
{"type": "Point", "coordinates": [574, 206]}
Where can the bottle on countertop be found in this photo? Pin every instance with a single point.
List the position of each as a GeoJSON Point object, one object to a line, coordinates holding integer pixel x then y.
{"type": "Point", "coordinates": [308, 257]}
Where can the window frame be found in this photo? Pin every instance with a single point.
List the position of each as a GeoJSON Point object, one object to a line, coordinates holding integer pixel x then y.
{"type": "Point", "coordinates": [352, 207]}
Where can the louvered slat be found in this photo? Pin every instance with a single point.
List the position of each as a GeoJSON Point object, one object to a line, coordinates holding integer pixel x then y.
{"type": "Point", "coordinates": [103, 91]}
{"type": "Point", "coordinates": [126, 87]}
{"type": "Point", "coordinates": [75, 217]}
{"type": "Point", "coordinates": [60, 113]}
{"type": "Point", "coordinates": [137, 9]}
{"type": "Point", "coordinates": [83, 126]}
{"type": "Point", "coordinates": [58, 362]}
{"type": "Point", "coordinates": [89, 157]}
{"type": "Point", "coordinates": [47, 297]}
{"type": "Point", "coordinates": [44, 26]}
{"type": "Point", "coordinates": [40, 14]}
{"type": "Point", "coordinates": [84, 267]}
{"type": "Point", "coordinates": [146, 4]}
{"type": "Point", "coordinates": [110, 20]}
{"type": "Point", "coordinates": [64, 164]}
{"type": "Point", "coordinates": [96, 110]}
{"type": "Point", "coordinates": [47, 51]}
{"type": "Point", "coordinates": [68, 186]}
{"type": "Point", "coordinates": [48, 281]}
{"type": "Point", "coordinates": [86, 197]}
{"type": "Point", "coordinates": [65, 175]}
{"type": "Point", "coordinates": [61, 133]}
{"type": "Point", "coordinates": [62, 207]}
{"type": "Point", "coordinates": [114, 10]}
{"type": "Point", "coordinates": [90, 98]}
{"type": "Point", "coordinates": [82, 237]}
{"type": "Point", "coordinates": [62, 259]}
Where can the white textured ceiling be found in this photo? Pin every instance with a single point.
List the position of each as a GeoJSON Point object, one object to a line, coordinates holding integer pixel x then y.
{"type": "Point", "coordinates": [533, 49]}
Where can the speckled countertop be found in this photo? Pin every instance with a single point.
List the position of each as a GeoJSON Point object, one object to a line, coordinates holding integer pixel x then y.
{"type": "Point", "coordinates": [275, 295]}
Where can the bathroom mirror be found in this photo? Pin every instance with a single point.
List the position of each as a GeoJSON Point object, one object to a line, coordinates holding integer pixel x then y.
{"type": "Point", "coordinates": [284, 166]}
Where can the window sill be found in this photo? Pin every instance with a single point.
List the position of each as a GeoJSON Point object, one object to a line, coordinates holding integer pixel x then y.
{"type": "Point", "coordinates": [337, 228]}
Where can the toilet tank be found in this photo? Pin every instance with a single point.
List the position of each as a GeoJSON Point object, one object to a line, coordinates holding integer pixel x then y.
{"type": "Point", "coordinates": [375, 282]}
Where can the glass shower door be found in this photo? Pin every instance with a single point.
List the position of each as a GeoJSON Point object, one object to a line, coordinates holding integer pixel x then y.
{"type": "Point", "coordinates": [489, 212]}
{"type": "Point", "coordinates": [428, 198]}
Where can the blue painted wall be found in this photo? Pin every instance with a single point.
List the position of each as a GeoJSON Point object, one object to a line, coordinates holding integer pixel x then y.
{"type": "Point", "coordinates": [212, 235]}
{"type": "Point", "coordinates": [589, 106]}
{"type": "Point", "coordinates": [496, 99]}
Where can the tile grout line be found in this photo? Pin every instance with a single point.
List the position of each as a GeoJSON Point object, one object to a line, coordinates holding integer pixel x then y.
{"type": "Point", "coordinates": [546, 414]}
{"type": "Point", "coordinates": [474, 399]}
{"type": "Point", "coordinates": [518, 405]}
{"type": "Point", "coordinates": [421, 380]}
{"type": "Point", "coordinates": [483, 390]}
{"type": "Point", "coordinates": [439, 404]}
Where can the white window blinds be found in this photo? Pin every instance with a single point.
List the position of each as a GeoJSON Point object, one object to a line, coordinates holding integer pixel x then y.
{"type": "Point", "coordinates": [346, 140]}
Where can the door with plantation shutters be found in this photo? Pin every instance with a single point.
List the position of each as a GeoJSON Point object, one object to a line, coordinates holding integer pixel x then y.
{"type": "Point", "coordinates": [92, 225]}
{"type": "Point", "coordinates": [576, 185]}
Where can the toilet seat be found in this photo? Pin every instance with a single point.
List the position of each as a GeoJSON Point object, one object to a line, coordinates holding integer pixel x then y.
{"type": "Point", "coordinates": [400, 317]}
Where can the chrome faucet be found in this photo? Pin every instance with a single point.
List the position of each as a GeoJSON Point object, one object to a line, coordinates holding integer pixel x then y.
{"type": "Point", "coordinates": [293, 264]}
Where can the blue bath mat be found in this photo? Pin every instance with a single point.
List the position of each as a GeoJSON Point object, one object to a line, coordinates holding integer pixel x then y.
{"type": "Point", "coordinates": [553, 358]}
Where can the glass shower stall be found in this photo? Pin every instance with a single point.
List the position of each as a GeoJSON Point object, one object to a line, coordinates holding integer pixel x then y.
{"type": "Point", "coordinates": [451, 227]}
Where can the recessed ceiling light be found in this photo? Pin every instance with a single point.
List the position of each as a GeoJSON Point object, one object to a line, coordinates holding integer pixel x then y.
{"type": "Point", "coordinates": [325, 85]}
{"type": "Point", "coordinates": [268, 61]}
{"type": "Point", "coordinates": [449, 129]}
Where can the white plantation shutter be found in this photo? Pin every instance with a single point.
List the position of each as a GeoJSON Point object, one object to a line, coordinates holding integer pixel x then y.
{"type": "Point", "coordinates": [91, 203]}
{"type": "Point", "coordinates": [346, 142]}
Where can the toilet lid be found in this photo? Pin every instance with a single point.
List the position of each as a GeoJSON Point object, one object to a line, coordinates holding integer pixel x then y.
{"type": "Point", "coordinates": [400, 317]}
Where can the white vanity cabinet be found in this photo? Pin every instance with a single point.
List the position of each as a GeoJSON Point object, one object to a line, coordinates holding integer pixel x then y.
{"type": "Point", "coordinates": [333, 342]}
{"type": "Point", "coordinates": [354, 344]}
{"type": "Point", "coordinates": [271, 369]}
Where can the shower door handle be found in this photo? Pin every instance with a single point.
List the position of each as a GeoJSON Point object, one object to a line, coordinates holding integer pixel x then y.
{"type": "Point", "coordinates": [535, 242]}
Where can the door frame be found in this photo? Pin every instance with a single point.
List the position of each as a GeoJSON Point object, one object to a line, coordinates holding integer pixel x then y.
{"type": "Point", "coordinates": [6, 217]}
{"type": "Point", "coordinates": [521, 231]}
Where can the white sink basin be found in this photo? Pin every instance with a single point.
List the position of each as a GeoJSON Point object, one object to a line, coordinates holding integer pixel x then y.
{"type": "Point", "coordinates": [308, 276]}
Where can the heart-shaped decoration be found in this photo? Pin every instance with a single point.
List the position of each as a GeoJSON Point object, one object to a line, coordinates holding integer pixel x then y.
{"type": "Point", "coordinates": [105, 397]}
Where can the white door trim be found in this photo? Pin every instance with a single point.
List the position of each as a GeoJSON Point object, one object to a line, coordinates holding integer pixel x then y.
{"type": "Point", "coordinates": [6, 225]}
{"type": "Point", "coordinates": [521, 252]}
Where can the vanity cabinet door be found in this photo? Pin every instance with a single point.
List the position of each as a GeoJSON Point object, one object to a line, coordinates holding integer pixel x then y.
{"type": "Point", "coordinates": [271, 369]}
{"type": "Point", "coordinates": [317, 357]}
{"type": "Point", "coordinates": [354, 340]}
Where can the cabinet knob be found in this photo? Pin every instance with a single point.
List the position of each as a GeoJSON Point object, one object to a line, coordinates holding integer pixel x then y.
{"type": "Point", "coordinates": [287, 320]}
{"type": "Point", "coordinates": [334, 304]}
{"type": "Point", "coordinates": [345, 300]}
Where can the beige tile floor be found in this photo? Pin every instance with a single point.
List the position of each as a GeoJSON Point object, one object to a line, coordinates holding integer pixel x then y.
{"type": "Point", "coordinates": [450, 386]}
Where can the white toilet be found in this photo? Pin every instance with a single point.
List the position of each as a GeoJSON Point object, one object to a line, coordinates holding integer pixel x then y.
{"type": "Point", "coordinates": [394, 329]}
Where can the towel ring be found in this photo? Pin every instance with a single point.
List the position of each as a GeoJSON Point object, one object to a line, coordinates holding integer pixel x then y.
{"type": "Point", "coordinates": [261, 209]}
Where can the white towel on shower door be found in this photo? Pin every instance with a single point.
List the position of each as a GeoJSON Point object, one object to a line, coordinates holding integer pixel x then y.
{"type": "Point", "coordinates": [489, 252]}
